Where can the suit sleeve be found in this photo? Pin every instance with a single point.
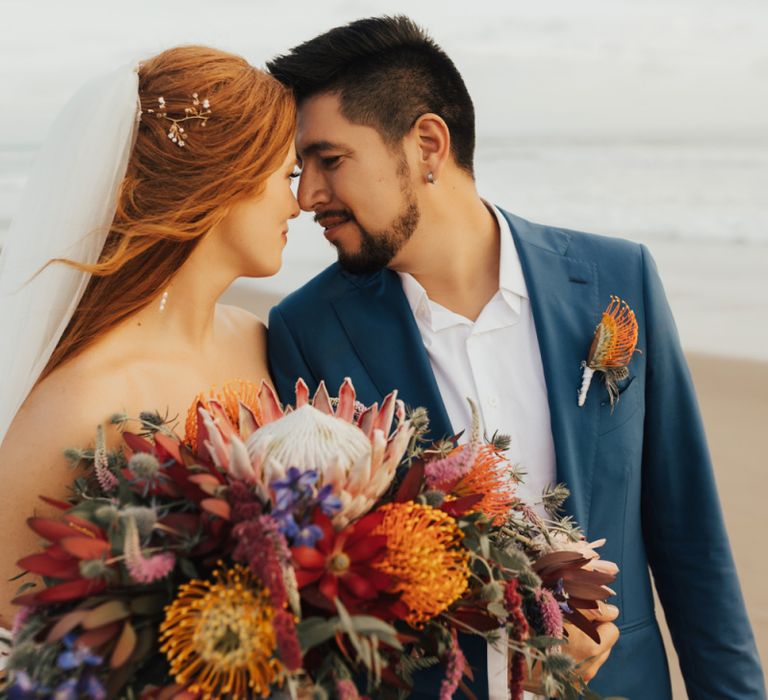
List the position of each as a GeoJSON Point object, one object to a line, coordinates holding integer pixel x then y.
{"type": "Point", "coordinates": [286, 361]}
{"type": "Point", "coordinates": [683, 526]}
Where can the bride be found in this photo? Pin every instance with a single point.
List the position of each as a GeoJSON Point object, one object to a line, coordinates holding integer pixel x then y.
{"type": "Point", "coordinates": [158, 186]}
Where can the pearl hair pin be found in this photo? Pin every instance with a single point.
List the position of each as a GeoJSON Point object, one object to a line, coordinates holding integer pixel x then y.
{"type": "Point", "coordinates": [200, 110]}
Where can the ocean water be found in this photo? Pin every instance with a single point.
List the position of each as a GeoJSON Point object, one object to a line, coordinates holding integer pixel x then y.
{"type": "Point", "coordinates": [701, 207]}
{"type": "Point", "coordinates": [645, 190]}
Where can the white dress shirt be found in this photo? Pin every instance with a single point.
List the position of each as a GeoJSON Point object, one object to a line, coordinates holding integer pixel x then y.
{"type": "Point", "coordinates": [496, 362]}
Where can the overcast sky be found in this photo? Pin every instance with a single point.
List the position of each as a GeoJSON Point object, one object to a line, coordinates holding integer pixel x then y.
{"type": "Point", "coordinates": [567, 68]}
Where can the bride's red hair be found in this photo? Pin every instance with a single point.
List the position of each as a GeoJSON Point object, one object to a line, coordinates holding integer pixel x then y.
{"type": "Point", "coordinates": [172, 196]}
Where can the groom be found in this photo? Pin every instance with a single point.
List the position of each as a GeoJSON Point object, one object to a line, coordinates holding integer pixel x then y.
{"type": "Point", "coordinates": [444, 296]}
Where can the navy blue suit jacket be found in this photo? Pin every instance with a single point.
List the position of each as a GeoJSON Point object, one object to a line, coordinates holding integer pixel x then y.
{"type": "Point", "coordinates": [639, 475]}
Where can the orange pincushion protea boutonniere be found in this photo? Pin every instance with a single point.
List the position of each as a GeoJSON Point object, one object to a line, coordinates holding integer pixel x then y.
{"type": "Point", "coordinates": [612, 348]}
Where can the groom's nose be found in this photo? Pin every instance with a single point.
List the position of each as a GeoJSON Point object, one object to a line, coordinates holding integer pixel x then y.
{"type": "Point", "coordinates": [313, 189]}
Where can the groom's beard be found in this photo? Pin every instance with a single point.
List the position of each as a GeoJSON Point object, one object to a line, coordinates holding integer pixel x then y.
{"type": "Point", "coordinates": [378, 248]}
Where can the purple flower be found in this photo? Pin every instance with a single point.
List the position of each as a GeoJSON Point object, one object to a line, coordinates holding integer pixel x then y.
{"type": "Point", "coordinates": [308, 536]}
{"type": "Point", "coordinates": [75, 657]}
{"type": "Point", "coordinates": [92, 687]}
{"type": "Point", "coordinates": [286, 523]}
{"type": "Point", "coordinates": [561, 596]}
{"type": "Point", "coordinates": [296, 480]}
{"type": "Point", "coordinates": [66, 690]}
{"type": "Point", "coordinates": [24, 688]}
{"type": "Point", "coordinates": [328, 501]}
{"type": "Point", "coordinates": [285, 499]}
{"type": "Point", "coordinates": [295, 498]}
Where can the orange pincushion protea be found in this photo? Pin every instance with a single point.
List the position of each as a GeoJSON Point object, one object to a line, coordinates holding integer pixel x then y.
{"type": "Point", "coordinates": [615, 338]}
{"type": "Point", "coordinates": [425, 557]}
{"type": "Point", "coordinates": [231, 395]}
{"type": "Point", "coordinates": [489, 478]}
{"type": "Point", "coordinates": [612, 348]}
{"type": "Point", "coordinates": [219, 639]}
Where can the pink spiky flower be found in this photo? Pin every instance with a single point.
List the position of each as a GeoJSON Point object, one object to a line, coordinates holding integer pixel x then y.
{"type": "Point", "coordinates": [144, 569]}
{"type": "Point", "coordinates": [354, 450]}
{"type": "Point", "coordinates": [454, 670]}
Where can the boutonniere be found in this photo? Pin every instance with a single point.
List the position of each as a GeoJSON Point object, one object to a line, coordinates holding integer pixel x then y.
{"type": "Point", "coordinates": [612, 348]}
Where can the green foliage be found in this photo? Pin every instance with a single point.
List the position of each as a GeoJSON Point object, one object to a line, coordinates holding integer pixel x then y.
{"type": "Point", "coordinates": [553, 499]}
{"type": "Point", "coordinates": [407, 665]}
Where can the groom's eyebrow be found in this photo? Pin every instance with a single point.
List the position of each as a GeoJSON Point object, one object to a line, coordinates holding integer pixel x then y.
{"type": "Point", "coordinates": [316, 146]}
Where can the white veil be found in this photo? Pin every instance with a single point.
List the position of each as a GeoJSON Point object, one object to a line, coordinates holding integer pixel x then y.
{"type": "Point", "coordinates": [65, 212]}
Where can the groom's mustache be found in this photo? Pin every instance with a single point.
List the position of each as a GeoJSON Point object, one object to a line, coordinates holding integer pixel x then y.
{"type": "Point", "coordinates": [333, 217]}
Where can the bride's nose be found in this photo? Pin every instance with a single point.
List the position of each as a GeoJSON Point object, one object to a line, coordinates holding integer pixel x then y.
{"type": "Point", "coordinates": [295, 209]}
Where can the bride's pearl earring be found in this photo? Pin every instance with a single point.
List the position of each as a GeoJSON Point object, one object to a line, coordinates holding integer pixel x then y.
{"type": "Point", "coordinates": [430, 178]}
{"type": "Point", "coordinates": [163, 301]}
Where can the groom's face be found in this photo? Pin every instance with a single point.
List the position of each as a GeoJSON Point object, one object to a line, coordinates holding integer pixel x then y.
{"type": "Point", "coordinates": [359, 188]}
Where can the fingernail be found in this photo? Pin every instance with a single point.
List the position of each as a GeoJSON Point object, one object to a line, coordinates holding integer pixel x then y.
{"type": "Point", "coordinates": [611, 609]}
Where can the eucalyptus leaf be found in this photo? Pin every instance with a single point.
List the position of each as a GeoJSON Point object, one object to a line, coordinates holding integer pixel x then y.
{"type": "Point", "coordinates": [496, 608]}
{"type": "Point", "coordinates": [543, 642]}
{"type": "Point", "coordinates": [314, 631]}
{"type": "Point", "coordinates": [485, 546]}
{"type": "Point", "coordinates": [188, 568]}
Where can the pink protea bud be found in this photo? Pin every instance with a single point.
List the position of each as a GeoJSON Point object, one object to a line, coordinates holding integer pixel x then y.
{"type": "Point", "coordinates": [287, 640]}
{"type": "Point", "coordinates": [551, 614]}
{"type": "Point", "coordinates": [454, 671]}
{"type": "Point", "coordinates": [144, 569]}
{"type": "Point", "coordinates": [346, 690]}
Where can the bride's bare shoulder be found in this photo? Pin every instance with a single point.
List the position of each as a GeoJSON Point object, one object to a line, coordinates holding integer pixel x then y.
{"type": "Point", "coordinates": [247, 328]}
{"type": "Point", "coordinates": [241, 320]}
{"type": "Point", "coordinates": [62, 411]}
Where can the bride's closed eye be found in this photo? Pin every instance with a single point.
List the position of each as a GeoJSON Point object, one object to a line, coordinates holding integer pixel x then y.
{"type": "Point", "coordinates": [296, 173]}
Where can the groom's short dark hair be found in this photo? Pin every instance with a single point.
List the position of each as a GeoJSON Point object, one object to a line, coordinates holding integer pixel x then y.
{"type": "Point", "coordinates": [388, 72]}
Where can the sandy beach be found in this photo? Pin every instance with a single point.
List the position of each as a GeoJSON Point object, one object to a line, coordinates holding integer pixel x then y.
{"type": "Point", "coordinates": [734, 401]}
{"type": "Point", "coordinates": [733, 394]}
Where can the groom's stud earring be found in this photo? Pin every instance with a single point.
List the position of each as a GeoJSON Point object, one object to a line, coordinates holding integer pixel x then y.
{"type": "Point", "coordinates": [430, 178]}
{"type": "Point", "coordinates": [163, 301]}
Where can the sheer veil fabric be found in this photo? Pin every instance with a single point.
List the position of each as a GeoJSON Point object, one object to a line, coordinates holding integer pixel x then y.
{"type": "Point", "coordinates": [65, 212]}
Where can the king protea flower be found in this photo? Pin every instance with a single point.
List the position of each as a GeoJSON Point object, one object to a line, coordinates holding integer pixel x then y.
{"type": "Point", "coordinates": [351, 447]}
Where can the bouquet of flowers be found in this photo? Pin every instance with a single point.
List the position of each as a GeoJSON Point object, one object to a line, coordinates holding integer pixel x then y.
{"type": "Point", "coordinates": [324, 550]}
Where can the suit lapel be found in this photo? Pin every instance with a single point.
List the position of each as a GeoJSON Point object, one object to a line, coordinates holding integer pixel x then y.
{"type": "Point", "coordinates": [565, 301]}
{"type": "Point", "coordinates": [378, 322]}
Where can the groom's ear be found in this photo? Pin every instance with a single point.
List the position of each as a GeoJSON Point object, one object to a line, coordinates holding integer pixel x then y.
{"type": "Point", "coordinates": [433, 139]}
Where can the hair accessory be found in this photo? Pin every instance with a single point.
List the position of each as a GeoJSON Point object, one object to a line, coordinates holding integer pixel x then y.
{"type": "Point", "coordinates": [430, 178]}
{"type": "Point", "coordinates": [200, 110]}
